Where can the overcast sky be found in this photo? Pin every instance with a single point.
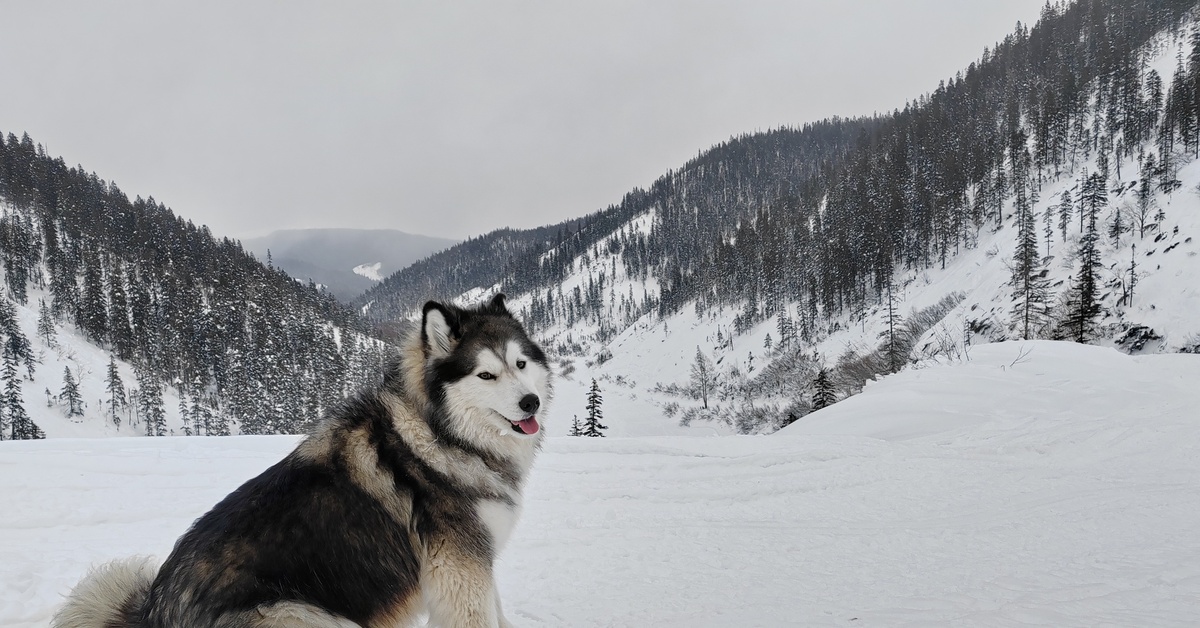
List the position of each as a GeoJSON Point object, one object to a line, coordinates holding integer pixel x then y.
{"type": "Point", "coordinates": [449, 118]}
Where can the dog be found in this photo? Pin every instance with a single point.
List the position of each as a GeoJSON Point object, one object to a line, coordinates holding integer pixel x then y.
{"type": "Point", "coordinates": [394, 507]}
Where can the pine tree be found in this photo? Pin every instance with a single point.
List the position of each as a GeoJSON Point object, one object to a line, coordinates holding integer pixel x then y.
{"type": "Point", "coordinates": [823, 393]}
{"type": "Point", "coordinates": [895, 349]}
{"type": "Point", "coordinates": [115, 388]}
{"type": "Point", "coordinates": [1066, 209]}
{"type": "Point", "coordinates": [45, 324]}
{"type": "Point", "coordinates": [70, 394]}
{"type": "Point", "coordinates": [703, 376]}
{"type": "Point", "coordinates": [12, 407]}
{"type": "Point", "coordinates": [119, 330]}
{"type": "Point", "coordinates": [14, 338]}
{"type": "Point", "coordinates": [150, 403]}
{"type": "Point", "coordinates": [786, 329]}
{"type": "Point", "coordinates": [576, 427]}
{"type": "Point", "coordinates": [592, 426]}
{"type": "Point", "coordinates": [1145, 204]}
{"type": "Point", "coordinates": [92, 316]}
{"type": "Point", "coordinates": [1030, 288]}
{"type": "Point", "coordinates": [185, 413]}
{"type": "Point", "coordinates": [218, 422]}
{"type": "Point", "coordinates": [1083, 300]}
{"type": "Point", "coordinates": [20, 425]}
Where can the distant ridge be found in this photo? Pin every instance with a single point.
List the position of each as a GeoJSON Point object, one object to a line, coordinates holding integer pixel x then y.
{"type": "Point", "coordinates": [329, 256]}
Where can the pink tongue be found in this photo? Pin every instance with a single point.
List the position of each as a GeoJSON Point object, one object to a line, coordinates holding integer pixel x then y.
{"type": "Point", "coordinates": [529, 426]}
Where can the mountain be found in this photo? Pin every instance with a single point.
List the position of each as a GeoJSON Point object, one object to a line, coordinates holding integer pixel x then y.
{"type": "Point", "coordinates": [746, 171]}
{"type": "Point", "coordinates": [345, 261]}
{"type": "Point", "coordinates": [119, 317]}
{"type": "Point", "coordinates": [1046, 191]}
{"type": "Point", "coordinates": [935, 498]}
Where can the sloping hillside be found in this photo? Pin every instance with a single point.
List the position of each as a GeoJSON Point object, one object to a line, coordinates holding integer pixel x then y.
{"type": "Point", "coordinates": [202, 338]}
{"type": "Point", "coordinates": [1049, 191]}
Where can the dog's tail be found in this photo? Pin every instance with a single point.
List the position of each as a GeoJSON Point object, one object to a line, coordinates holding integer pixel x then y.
{"type": "Point", "coordinates": [110, 596]}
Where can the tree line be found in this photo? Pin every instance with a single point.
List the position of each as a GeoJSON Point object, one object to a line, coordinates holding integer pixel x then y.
{"type": "Point", "coordinates": [240, 342]}
{"type": "Point", "coordinates": [815, 221]}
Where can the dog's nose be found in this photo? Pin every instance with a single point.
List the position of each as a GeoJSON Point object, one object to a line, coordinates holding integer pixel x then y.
{"type": "Point", "coordinates": [530, 403]}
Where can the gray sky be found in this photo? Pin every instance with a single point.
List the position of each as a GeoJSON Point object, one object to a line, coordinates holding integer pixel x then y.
{"type": "Point", "coordinates": [449, 118]}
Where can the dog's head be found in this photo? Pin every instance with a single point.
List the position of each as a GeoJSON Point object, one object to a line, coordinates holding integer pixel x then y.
{"type": "Point", "coordinates": [483, 372]}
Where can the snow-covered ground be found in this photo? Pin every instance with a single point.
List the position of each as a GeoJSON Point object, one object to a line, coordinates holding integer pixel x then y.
{"type": "Point", "coordinates": [1036, 483]}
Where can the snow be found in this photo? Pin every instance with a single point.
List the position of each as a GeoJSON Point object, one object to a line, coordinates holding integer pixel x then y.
{"type": "Point", "coordinates": [1033, 483]}
{"type": "Point", "coordinates": [370, 271]}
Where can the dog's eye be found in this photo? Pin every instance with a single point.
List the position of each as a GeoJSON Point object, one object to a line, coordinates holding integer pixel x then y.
{"type": "Point", "coordinates": [486, 375]}
{"type": "Point", "coordinates": [520, 364]}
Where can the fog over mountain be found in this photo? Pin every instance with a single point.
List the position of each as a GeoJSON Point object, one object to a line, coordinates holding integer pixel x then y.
{"type": "Point", "coordinates": [330, 256]}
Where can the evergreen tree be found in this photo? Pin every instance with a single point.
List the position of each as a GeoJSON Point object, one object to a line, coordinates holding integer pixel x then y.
{"type": "Point", "coordinates": [45, 324]}
{"type": "Point", "coordinates": [21, 427]}
{"type": "Point", "coordinates": [115, 388]}
{"type": "Point", "coordinates": [704, 376]}
{"type": "Point", "coordinates": [1066, 210]}
{"type": "Point", "coordinates": [12, 385]}
{"type": "Point", "coordinates": [150, 403]}
{"type": "Point", "coordinates": [18, 252]}
{"type": "Point", "coordinates": [786, 329]}
{"type": "Point", "coordinates": [185, 413]}
{"type": "Point", "coordinates": [576, 427]}
{"type": "Point", "coordinates": [92, 316]}
{"type": "Point", "coordinates": [823, 393]}
{"type": "Point", "coordinates": [895, 348]}
{"type": "Point", "coordinates": [218, 422]}
{"type": "Point", "coordinates": [14, 338]}
{"type": "Point", "coordinates": [1145, 206]}
{"type": "Point", "coordinates": [1083, 300]}
{"type": "Point", "coordinates": [1030, 288]}
{"type": "Point", "coordinates": [119, 330]}
{"type": "Point", "coordinates": [592, 426]}
{"type": "Point", "coordinates": [70, 394]}
{"type": "Point", "coordinates": [64, 291]}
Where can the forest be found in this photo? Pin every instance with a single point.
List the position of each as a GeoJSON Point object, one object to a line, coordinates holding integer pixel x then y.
{"type": "Point", "coordinates": [822, 216]}
{"type": "Point", "coordinates": [245, 346]}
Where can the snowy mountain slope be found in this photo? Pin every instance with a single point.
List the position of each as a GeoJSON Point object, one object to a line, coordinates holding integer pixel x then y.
{"type": "Point", "coordinates": [630, 353]}
{"type": "Point", "coordinates": [89, 367]}
{"type": "Point", "coordinates": [1036, 483]}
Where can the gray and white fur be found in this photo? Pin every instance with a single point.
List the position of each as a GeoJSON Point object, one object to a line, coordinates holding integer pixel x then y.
{"type": "Point", "coordinates": [396, 506]}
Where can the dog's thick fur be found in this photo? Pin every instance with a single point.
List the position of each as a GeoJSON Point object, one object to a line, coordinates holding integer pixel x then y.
{"type": "Point", "coordinates": [395, 506]}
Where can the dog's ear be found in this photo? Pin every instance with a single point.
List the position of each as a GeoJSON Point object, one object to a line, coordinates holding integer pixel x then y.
{"type": "Point", "coordinates": [496, 305]}
{"type": "Point", "coordinates": [440, 330]}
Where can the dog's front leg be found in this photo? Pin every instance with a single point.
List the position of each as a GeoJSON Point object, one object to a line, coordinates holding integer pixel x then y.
{"type": "Point", "coordinates": [458, 589]}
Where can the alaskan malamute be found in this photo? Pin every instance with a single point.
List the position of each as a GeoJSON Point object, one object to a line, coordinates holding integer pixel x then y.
{"type": "Point", "coordinates": [395, 506]}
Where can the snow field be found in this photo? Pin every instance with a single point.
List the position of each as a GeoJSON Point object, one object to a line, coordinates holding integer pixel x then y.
{"type": "Point", "coordinates": [1036, 483]}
